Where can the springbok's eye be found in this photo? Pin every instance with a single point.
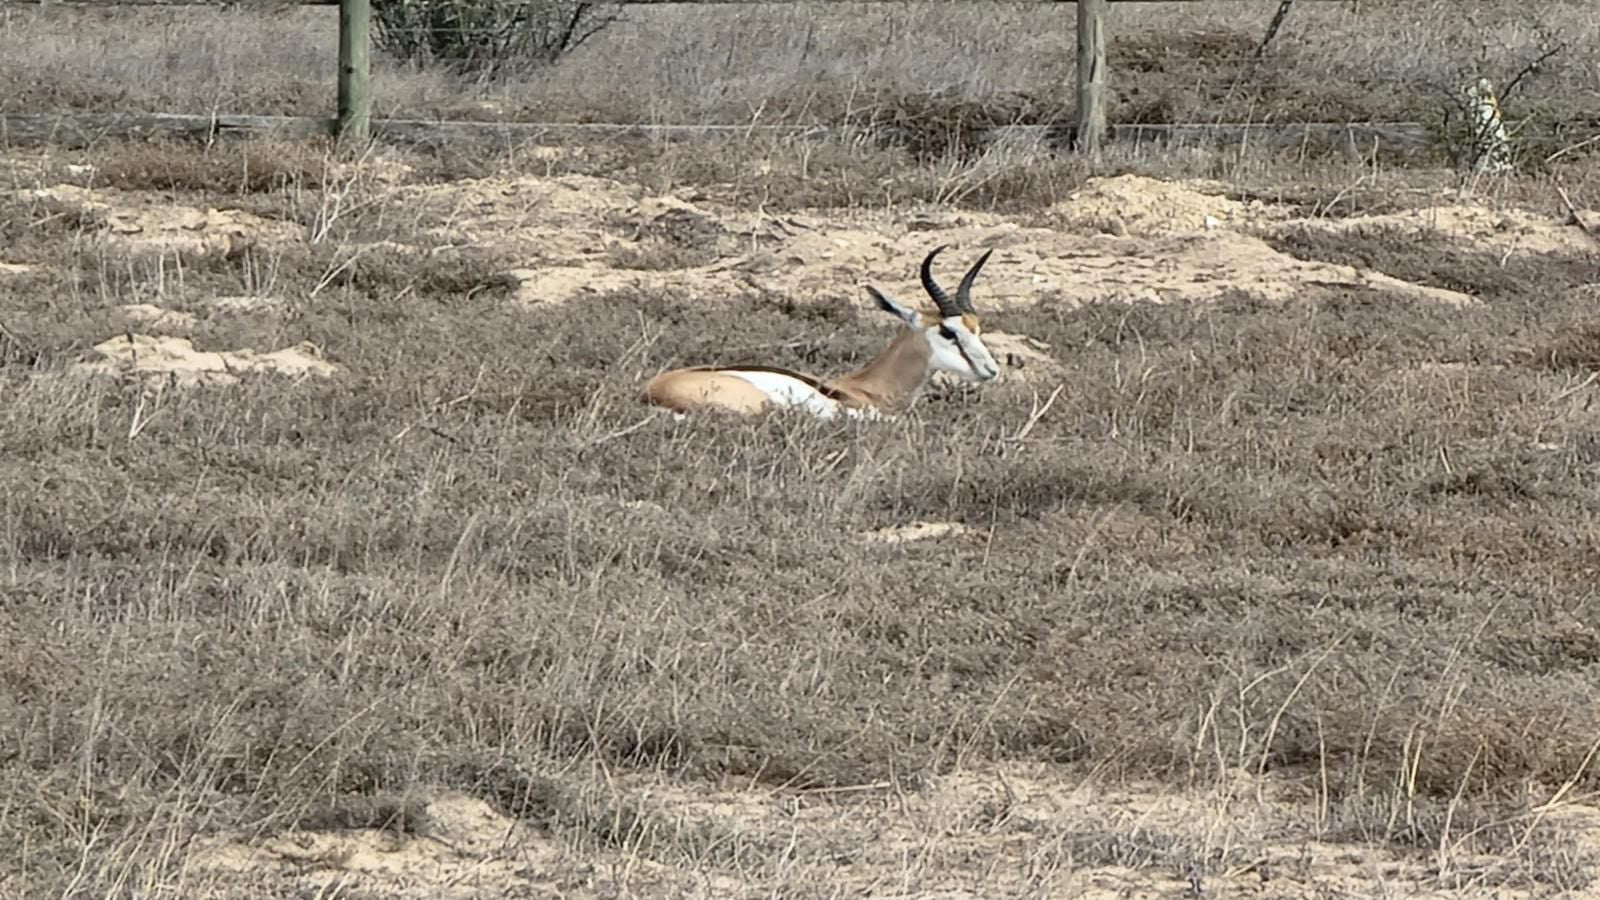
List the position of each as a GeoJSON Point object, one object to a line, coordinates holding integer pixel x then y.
{"type": "Point", "coordinates": [947, 334]}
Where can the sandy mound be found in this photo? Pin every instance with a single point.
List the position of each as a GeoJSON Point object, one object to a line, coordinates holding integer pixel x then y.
{"type": "Point", "coordinates": [1128, 237]}
{"type": "Point", "coordinates": [1029, 264]}
{"type": "Point", "coordinates": [572, 226]}
{"type": "Point", "coordinates": [457, 855]}
{"type": "Point", "coordinates": [176, 357]}
{"type": "Point", "coordinates": [1136, 205]}
{"type": "Point", "coordinates": [138, 223]}
{"type": "Point", "coordinates": [561, 219]}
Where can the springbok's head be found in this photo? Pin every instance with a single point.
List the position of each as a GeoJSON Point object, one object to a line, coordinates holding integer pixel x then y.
{"type": "Point", "coordinates": [951, 330]}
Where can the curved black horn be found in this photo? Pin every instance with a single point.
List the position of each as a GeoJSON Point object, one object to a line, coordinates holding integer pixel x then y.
{"type": "Point", "coordinates": [964, 290]}
{"type": "Point", "coordinates": [947, 307]}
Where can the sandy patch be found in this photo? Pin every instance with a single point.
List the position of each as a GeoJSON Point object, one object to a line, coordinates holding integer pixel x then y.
{"type": "Point", "coordinates": [176, 357]}
{"type": "Point", "coordinates": [18, 268]}
{"type": "Point", "coordinates": [249, 303]}
{"type": "Point", "coordinates": [558, 220]}
{"type": "Point", "coordinates": [139, 223]}
{"type": "Point", "coordinates": [458, 855]}
{"type": "Point", "coordinates": [148, 317]}
{"type": "Point", "coordinates": [1024, 830]}
{"type": "Point", "coordinates": [1166, 252]}
{"type": "Point", "coordinates": [154, 318]}
{"type": "Point", "coordinates": [37, 165]}
{"type": "Point", "coordinates": [1176, 242]}
{"type": "Point", "coordinates": [1137, 205]}
{"type": "Point", "coordinates": [1030, 264]}
{"type": "Point", "coordinates": [1181, 241]}
{"type": "Point", "coordinates": [915, 531]}
{"type": "Point", "coordinates": [566, 284]}
{"type": "Point", "coordinates": [1016, 829]}
{"type": "Point", "coordinates": [1507, 231]}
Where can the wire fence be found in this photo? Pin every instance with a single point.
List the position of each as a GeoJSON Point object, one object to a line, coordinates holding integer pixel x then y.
{"type": "Point", "coordinates": [1173, 72]}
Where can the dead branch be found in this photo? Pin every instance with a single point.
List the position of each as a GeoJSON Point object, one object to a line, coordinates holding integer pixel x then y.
{"type": "Point", "coordinates": [1530, 69]}
{"type": "Point", "coordinates": [1273, 26]}
{"type": "Point", "coordinates": [1576, 218]}
{"type": "Point", "coordinates": [1572, 149]}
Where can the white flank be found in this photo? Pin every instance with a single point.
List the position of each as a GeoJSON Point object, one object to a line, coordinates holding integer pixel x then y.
{"type": "Point", "coordinates": [783, 390]}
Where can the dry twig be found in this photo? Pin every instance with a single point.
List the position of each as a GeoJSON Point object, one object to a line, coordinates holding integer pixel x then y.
{"type": "Point", "coordinates": [1586, 142]}
{"type": "Point", "coordinates": [1037, 414]}
{"type": "Point", "coordinates": [1576, 218]}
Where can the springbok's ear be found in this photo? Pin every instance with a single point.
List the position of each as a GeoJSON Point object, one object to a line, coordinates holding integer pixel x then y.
{"type": "Point", "coordinates": [903, 313]}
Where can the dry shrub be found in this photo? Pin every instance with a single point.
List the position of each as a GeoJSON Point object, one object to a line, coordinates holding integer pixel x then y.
{"type": "Point", "coordinates": [1430, 257]}
{"type": "Point", "coordinates": [1212, 74]}
{"type": "Point", "coordinates": [229, 167]}
{"type": "Point", "coordinates": [394, 271]}
{"type": "Point", "coordinates": [1575, 348]}
{"type": "Point", "coordinates": [675, 239]}
{"type": "Point", "coordinates": [939, 125]}
{"type": "Point", "coordinates": [1162, 70]}
{"type": "Point", "coordinates": [485, 41]}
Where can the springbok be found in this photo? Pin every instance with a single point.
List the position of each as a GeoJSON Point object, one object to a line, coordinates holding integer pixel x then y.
{"type": "Point", "coordinates": [944, 339]}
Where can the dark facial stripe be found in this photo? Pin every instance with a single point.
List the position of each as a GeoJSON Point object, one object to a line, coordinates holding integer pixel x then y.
{"type": "Point", "coordinates": [961, 348]}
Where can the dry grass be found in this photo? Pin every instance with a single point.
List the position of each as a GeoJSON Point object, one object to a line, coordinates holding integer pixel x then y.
{"type": "Point", "coordinates": [1346, 543]}
{"type": "Point", "coordinates": [924, 69]}
{"type": "Point", "coordinates": [1344, 546]}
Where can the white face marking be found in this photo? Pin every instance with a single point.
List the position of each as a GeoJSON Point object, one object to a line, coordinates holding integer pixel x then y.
{"type": "Point", "coordinates": [955, 349]}
{"type": "Point", "coordinates": [952, 346]}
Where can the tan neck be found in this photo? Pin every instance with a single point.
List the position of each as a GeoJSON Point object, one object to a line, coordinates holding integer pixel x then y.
{"type": "Point", "coordinates": [893, 376]}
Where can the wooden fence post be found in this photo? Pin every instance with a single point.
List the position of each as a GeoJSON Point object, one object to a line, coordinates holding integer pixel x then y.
{"type": "Point", "coordinates": [354, 126]}
{"type": "Point", "coordinates": [1091, 75]}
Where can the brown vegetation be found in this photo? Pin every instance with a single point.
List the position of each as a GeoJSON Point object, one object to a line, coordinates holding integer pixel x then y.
{"type": "Point", "coordinates": [928, 73]}
{"type": "Point", "coordinates": [1280, 594]}
{"type": "Point", "coordinates": [1346, 542]}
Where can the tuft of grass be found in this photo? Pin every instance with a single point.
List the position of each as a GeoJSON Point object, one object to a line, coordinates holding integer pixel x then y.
{"type": "Point", "coordinates": [234, 168]}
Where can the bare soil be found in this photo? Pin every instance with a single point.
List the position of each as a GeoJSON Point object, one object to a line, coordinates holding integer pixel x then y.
{"type": "Point", "coordinates": [341, 556]}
